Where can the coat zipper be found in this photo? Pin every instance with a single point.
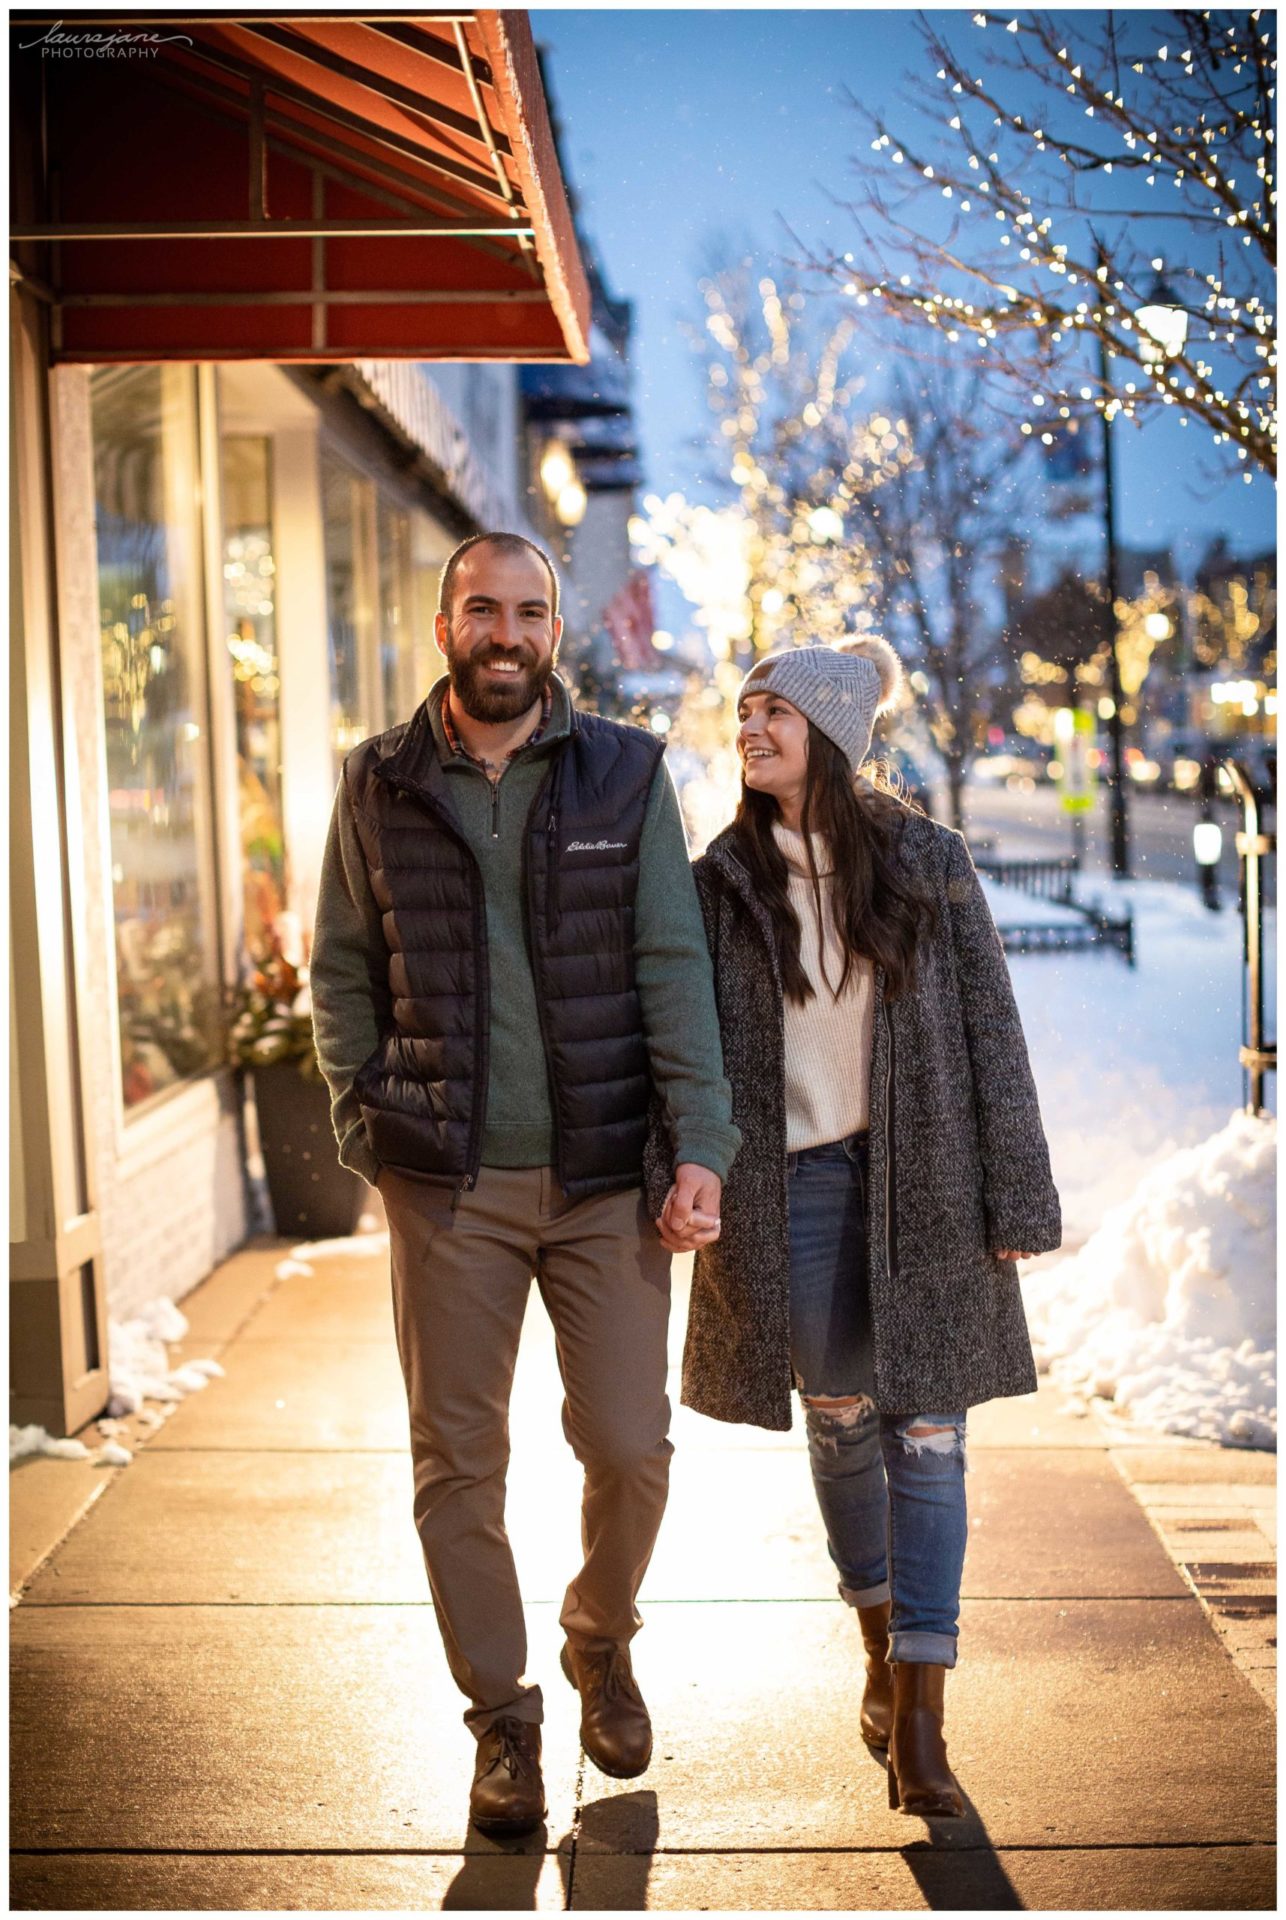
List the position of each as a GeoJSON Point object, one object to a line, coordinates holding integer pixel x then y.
{"type": "Point", "coordinates": [551, 852]}
{"type": "Point", "coordinates": [480, 1058]}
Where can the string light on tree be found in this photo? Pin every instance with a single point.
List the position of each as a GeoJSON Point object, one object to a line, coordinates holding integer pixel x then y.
{"type": "Point", "coordinates": [1195, 109]}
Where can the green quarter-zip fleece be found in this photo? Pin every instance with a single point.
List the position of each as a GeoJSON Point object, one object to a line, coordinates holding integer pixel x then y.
{"type": "Point", "coordinates": [672, 965]}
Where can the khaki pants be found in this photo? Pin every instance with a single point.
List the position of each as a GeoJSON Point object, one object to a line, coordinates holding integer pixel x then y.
{"type": "Point", "coordinates": [462, 1267]}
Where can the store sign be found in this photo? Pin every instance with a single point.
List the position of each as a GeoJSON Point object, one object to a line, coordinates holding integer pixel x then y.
{"type": "Point", "coordinates": [1074, 732]}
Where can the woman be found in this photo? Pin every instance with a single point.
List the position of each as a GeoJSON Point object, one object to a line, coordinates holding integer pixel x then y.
{"type": "Point", "coordinates": [892, 1171]}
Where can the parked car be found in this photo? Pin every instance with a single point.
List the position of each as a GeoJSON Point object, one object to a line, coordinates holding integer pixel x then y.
{"type": "Point", "coordinates": [1018, 764]}
{"type": "Point", "coordinates": [1259, 758]}
{"type": "Point", "coordinates": [1181, 758]}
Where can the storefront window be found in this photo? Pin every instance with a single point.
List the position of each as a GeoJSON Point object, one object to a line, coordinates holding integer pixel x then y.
{"type": "Point", "coordinates": [430, 549]}
{"type": "Point", "coordinates": [157, 725]}
{"type": "Point", "coordinates": [383, 564]}
{"type": "Point", "coordinates": [397, 670]}
{"type": "Point", "coordinates": [249, 593]}
{"type": "Point", "coordinates": [348, 511]}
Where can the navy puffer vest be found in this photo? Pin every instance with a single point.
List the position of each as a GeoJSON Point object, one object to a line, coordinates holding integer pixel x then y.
{"type": "Point", "coordinates": [423, 1091]}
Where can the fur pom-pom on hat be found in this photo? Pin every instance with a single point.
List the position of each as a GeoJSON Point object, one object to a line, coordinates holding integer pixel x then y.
{"type": "Point", "coordinates": [883, 659]}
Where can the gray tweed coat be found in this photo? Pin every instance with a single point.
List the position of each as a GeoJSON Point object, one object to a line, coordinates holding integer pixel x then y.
{"type": "Point", "coordinates": [958, 1162]}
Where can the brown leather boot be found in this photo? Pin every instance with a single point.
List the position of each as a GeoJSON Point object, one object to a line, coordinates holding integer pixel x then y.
{"type": "Point", "coordinates": [877, 1697]}
{"type": "Point", "coordinates": [920, 1781]}
{"type": "Point", "coordinates": [508, 1794]}
{"type": "Point", "coordinates": [614, 1727]}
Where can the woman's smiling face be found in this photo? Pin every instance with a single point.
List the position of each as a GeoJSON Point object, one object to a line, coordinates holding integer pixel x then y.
{"type": "Point", "coordinates": [773, 743]}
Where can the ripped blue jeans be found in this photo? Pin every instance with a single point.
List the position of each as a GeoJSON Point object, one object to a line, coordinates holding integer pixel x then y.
{"type": "Point", "coordinates": [890, 1486]}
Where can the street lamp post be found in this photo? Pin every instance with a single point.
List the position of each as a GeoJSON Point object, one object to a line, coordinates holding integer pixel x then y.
{"type": "Point", "coordinates": [1163, 328]}
{"type": "Point", "coordinates": [1115, 725]}
{"type": "Point", "coordinates": [1258, 1057]}
{"type": "Point", "coordinates": [1207, 834]}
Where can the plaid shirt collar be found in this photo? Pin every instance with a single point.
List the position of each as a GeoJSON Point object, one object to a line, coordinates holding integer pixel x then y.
{"type": "Point", "coordinates": [458, 747]}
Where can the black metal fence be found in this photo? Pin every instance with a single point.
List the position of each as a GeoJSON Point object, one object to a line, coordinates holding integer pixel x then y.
{"type": "Point", "coordinates": [1052, 881]}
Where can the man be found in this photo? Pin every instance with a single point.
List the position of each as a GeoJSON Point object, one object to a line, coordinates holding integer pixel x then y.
{"type": "Point", "coordinates": [508, 960]}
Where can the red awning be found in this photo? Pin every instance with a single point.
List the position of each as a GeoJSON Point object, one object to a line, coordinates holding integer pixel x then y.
{"type": "Point", "coordinates": [307, 187]}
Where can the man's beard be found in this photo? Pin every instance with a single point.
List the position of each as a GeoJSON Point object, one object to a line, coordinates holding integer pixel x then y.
{"type": "Point", "coordinates": [488, 699]}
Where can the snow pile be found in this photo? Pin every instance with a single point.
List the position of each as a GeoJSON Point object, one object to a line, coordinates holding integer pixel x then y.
{"type": "Point", "coordinates": [1132, 1064]}
{"type": "Point", "coordinates": [371, 1242]}
{"type": "Point", "coordinates": [1168, 1310]}
{"type": "Point", "coordinates": [25, 1441]}
{"type": "Point", "coordinates": [139, 1367]}
{"type": "Point", "coordinates": [370, 1245]}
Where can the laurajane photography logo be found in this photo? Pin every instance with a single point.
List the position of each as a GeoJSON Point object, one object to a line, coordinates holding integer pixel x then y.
{"type": "Point", "coordinates": [100, 43]}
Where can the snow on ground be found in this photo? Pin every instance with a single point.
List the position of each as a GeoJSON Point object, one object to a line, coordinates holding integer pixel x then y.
{"type": "Point", "coordinates": [138, 1364]}
{"type": "Point", "coordinates": [139, 1370]}
{"type": "Point", "coordinates": [370, 1243]}
{"type": "Point", "coordinates": [1165, 1299]}
{"type": "Point", "coordinates": [1011, 908]}
{"type": "Point", "coordinates": [25, 1441]}
{"type": "Point", "coordinates": [1169, 1309]}
{"type": "Point", "coordinates": [1132, 1064]}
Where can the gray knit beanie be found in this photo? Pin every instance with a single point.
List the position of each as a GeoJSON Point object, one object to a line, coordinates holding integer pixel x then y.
{"type": "Point", "coordinates": [840, 689]}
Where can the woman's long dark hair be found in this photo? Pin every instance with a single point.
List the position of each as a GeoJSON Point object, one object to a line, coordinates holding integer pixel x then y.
{"type": "Point", "coordinates": [878, 907]}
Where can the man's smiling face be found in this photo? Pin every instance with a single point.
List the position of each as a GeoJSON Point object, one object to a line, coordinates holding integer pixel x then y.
{"type": "Point", "coordinates": [500, 635]}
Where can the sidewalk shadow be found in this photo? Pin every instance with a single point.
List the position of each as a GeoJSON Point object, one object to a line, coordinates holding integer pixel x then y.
{"type": "Point", "coordinates": [486, 1884]}
{"type": "Point", "coordinates": [624, 1828]}
{"type": "Point", "coordinates": [956, 1867]}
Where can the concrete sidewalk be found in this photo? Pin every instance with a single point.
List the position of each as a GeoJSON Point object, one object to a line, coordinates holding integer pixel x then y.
{"type": "Point", "coordinates": [228, 1689]}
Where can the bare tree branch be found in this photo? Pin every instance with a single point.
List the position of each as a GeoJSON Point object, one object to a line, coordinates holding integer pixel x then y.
{"type": "Point", "coordinates": [1008, 263]}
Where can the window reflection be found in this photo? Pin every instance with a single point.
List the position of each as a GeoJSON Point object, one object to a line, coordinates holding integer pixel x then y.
{"type": "Point", "coordinates": [348, 511]}
{"type": "Point", "coordinates": [154, 693]}
{"type": "Point", "coordinates": [430, 547]}
{"type": "Point", "coordinates": [383, 563]}
{"type": "Point", "coordinates": [393, 543]}
{"type": "Point", "coordinates": [249, 591]}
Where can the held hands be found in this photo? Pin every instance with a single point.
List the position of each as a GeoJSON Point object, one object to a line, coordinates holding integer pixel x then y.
{"type": "Point", "coordinates": [690, 1217]}
{"type": "Point", "coordinates": [1004, 1253]}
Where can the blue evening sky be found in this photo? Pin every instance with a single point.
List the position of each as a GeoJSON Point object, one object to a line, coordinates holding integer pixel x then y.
{"type": "Point", "coordinates": [681, 127]}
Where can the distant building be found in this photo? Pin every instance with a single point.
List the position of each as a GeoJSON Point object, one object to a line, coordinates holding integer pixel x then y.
{"type": "Point", "coordinates": [583, 475]}
{"type": "Point", "coordinates": [1233, 692]}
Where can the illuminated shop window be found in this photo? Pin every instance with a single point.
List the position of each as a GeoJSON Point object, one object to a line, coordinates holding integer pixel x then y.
{"type": "Point", "coordinates": [396, 610]}
{"type": "Point", "coordinates": [383, 563]}
{"type": "Point", "coordinates": [250, 616]}
{"type": "Point", "coordinates": [348, 514]}
{"type": "Point", "coordinates": [430, 549]}
{"type": "Point", "coordinates": [157, 725]}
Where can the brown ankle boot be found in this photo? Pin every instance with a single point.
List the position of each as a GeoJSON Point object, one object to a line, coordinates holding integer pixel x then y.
{"type": "Point", "coordinates": [615, 1729]}
{"type": "Point", "coordinates": [920, 1781]}
{"type": "Point", "coordinates": [877, 1697]}
{"type": "Point", "coordinates": [508, 1795]}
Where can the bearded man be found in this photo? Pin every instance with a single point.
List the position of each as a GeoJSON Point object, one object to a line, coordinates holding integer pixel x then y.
{"type": "Point", "coordinates": [508, 965]}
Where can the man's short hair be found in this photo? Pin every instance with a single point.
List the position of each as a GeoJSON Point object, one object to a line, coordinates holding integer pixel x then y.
{"type": "Point", "coordinates": [507, 543]}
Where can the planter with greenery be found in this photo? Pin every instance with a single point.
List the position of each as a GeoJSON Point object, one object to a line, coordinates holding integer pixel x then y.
{"type": "Point", "coordinates": [271, 1036]}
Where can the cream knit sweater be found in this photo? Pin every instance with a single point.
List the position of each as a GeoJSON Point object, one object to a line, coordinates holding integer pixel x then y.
{"type": "Point", "coordinates": [828, 1041]}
